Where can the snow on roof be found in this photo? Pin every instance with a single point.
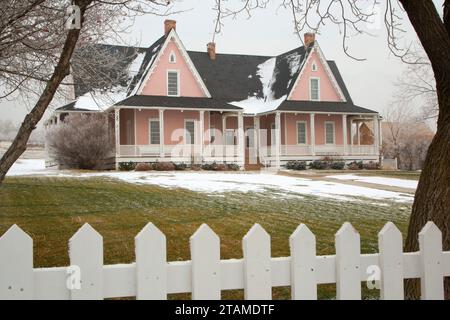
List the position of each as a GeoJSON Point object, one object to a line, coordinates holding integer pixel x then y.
{"type": "Point", "coordinates": [265, 73]}
{"type": "Point", "coordinates": [254, 105]}
{"type": "Point", "coordinates": [136, 64]}
{"type": "Point", "coordinates": [293, 61]}
{"type": "Point", "coordinates": [100, 100]}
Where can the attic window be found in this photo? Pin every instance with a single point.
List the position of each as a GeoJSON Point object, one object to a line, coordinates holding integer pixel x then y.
{"type": "Point", "coordinates": [314, 66]}
{"type": "Point", "coordinates": [172, 57]}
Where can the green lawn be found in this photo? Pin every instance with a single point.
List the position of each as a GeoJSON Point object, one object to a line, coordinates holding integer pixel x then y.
{"type": "Point", "coordinates": [52, 209]}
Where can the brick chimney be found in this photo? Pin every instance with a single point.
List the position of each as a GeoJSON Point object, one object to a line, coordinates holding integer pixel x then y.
{"type": "Point", "coordinates": [169, 25]}
{"type": "Point", "coordinates": [309, 38]}
{"type": "Point", "coordinates": [212, 50]}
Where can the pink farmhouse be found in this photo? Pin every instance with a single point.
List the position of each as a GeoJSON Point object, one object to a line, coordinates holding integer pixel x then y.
{"type": "Point", "coordinates": [187, 106]}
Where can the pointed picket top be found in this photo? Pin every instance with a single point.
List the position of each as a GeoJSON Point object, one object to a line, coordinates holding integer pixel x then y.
{"type": "Point", "coordinates": [302, 233]}
{"type": "Point", "coordinates": [303, 264]}
{"type": "Point", "coordinates": [430, 245]}
{"type": "Point", "coordinates": [390, 244]}
{"type": "Point", "coordinates": [347, 231]}
{"type": "Point", "coordinates": [16, 265]}
{"type": "Point", "coordinates": [85, 233]}
{"type": "Point", "coordinates": [204, 233]}
{"type": "Point", "coordinates": [15, 233]}
{"type": "Point", "coordinates": [256, 232]}
{"type": "Point", "coordinates": [150, 233]}
{"type": "Point", "coordinates": [430, 230]}
{"type": "Point", "coordinates": [151, 261]}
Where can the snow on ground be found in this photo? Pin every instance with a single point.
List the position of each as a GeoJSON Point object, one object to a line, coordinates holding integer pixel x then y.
{"type": "Point", "coordinates": [219, 183]}
{"type": "Point", "coordinates": [402, 183]}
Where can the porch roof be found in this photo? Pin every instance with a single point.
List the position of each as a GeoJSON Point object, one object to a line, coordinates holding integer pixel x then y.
{"type": "Point", "coordinates": [177, 102]}
{"type": "Point", "coordinates": [323, 106]}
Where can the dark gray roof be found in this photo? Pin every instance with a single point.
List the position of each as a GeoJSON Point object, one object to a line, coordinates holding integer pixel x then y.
{"type": "Point", "coordinates": [176, 102]}
{"type": "Point", "coordinates": [322, 106]}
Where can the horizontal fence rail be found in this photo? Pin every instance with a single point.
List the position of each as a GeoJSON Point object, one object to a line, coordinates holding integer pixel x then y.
{"type": "Point", "coordinates": [206, 275]}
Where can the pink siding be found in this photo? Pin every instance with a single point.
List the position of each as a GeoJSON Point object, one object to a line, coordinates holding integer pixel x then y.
{"type": "Point", "coordinates": [142, 124]}
{"type": "Point", "coordinates": [216, 121]}
{"type": "Point", "coordinates": [327, 91]}
{"type": "Point", "coordinates": [320, 120]}
{"type": "Point", "coordinates": [291, 127]}
{"type": "Point", "coordinates": [157, 83]}
{"type": "Point", "coordinates": [125, 116]}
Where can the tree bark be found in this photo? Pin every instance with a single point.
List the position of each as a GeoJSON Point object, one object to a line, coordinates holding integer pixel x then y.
{"type": "Point", "coordinates": [62, 69]}
{"type": "Point", "coordinates": [432, 199]}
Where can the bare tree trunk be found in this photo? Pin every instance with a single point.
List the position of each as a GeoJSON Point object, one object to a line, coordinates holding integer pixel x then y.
{"type": "Point", "coordinates": [432, 200]}
{"type": "Point", "coordinates": [62, 69]}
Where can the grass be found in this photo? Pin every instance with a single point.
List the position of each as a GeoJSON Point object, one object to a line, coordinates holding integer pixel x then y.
{"type": "Point", "coordinates": [52, 209]}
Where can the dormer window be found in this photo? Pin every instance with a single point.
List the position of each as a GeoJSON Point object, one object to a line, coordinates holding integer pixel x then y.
{"type": "Point", "coordinates": [314, 89]}
{"type": "Point", "coordinates": [172, 57]}
{"type": "Point", "coordinates": [173, 83]}
{"type": "Point", "coordinates": [314, 66]}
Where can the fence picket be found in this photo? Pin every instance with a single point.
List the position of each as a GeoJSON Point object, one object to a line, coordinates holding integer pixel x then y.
{"type": "Point", "coordinates": [430, 245]}
{"type": "Point", "coordinates": [257, 264]}
{"type": "Point", "coordinates": [303, 264]}
{"type": "Point", "coordinates": [390, 244]}
{"type": "Point", "coordinates": [348, 251]}
{"type": "Point", "coordinates": [151, 264]}
{"type": "Point", "coordinates": [86, 252]}
{"type": "Point", "coordinates": [16, 265]}
{"type": "Point", "coordinates": [205, 256]}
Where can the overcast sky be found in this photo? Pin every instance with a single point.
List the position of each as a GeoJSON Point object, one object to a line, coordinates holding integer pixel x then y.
{"type": "Point", "coordinates": [270, 32]}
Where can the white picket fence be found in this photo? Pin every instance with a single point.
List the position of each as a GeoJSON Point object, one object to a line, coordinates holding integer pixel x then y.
{"type": "Point", "coordinates": [205, 276]}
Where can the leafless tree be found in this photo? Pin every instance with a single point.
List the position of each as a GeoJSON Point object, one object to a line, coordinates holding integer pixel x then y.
{"type": "Point", "coordinates": [37, 41]}
{"type": "Point", "coordinates": [82, 141]}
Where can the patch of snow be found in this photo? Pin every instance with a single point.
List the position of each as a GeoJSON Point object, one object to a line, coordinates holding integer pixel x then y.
{"type": "Point", "coordinates": [100, 100]}
{"type": "Point", "coordinates": [265, 73]}
{"type": "Point", "coordinates": [402, 183]}
{"type": "Point", "coordinates": [253, 105]}
{"type": "Point", "coordinates": [293, 61]}
{"type": "Point", "coordinates": [135, 65]}
{"type": "Point", "coordinates": [250, 76]}
{"type": "Point", "coordinates": [218, 183]}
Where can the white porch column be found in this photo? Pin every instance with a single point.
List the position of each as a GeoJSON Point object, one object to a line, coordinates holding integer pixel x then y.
{"type": "Point", "coordinates": [241, 145]}
{"type": "Point", "coordinates": [161, 133]}
{"type": "Point", "coordinates": [358, 136]}
{"type": "Point", "coordinates": [277, 139]}
{"type": "Point", "coordinates": [344, 133]}
{"type": "Point", "coordinates": [256, 138]}
{"type": "Point", "coordinates": [224, 137]}
{"type": "Point", "coordinates": [202, 132]}
{"type": "Point", "coordinates": [376, 134]}
{"type": "Point", "coordinates": [117, 134]}
{"type": "Point", "coordinates": [313, 133]}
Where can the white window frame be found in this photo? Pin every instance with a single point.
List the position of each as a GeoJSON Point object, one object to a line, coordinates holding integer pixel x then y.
{"type": "Point", "coordinates": [247, 137]}
{"type": "Point", "coordinates": [212, 129]}
{"type": "Point", "coordinates": [318, 88]}
{"type": "Point", "coordinates": [185, 131]}
{"type": "Point", "coordinates": [178, 82]}
{"type": "Point", "coordinates": [150, 131]}
{"type": "Point", "coordinates": [314, 67]}
{"type": "Point", "coordinates": [174, 56]}
{"type": "Point", "coordinates": [306, 132]}
{"type": "Point", "coordinates": [334, 132]}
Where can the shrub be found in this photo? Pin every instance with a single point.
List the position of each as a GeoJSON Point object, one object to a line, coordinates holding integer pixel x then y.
{"type": "Point", "coordinates": [296, 165]}
{"type": "Point", "coordinates": [143, 166]}
{"type": "Point", "coordinates": [180, 166]}
{"type": "Point", "coordinates": [233, 166]}
{"type": "Point", "coordinates": [319, 165]}
{"type": "Point", "coordinates": [82, 141]}
{"type": "Point", "coordinates": [337, 165]}
{"type": "Point", "coordinates": [207, 166]}
{"type": "Point", "coordinates": [196, 167]}
{"type": "Point", "coordinates": [126, 166]}
{"type": "Point", "coordinates": [355, 165]}
{"type": "Point", "coordinates": [371, 165]}
{"type": "Point", "coordinates": [164, 166]}
{"type": "Point", "coordinates": [220, 167]}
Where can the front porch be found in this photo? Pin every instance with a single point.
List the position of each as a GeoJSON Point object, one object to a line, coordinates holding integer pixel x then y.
{"type": "Point", "coordinates": [224, 136]}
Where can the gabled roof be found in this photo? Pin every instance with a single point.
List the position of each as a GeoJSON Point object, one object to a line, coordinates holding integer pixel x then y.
{"type": "Point", "coordinates": [322, 106]}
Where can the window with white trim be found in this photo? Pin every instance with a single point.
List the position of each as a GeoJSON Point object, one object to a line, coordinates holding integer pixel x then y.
{"type": "Point", "coordinates": [172, 83]}
{"type": "Point", "coordinates": [301, 132]}
{"type": "Point", "coordinates": [172, 57]}
{"type": "Point", "coordinates": [314, 66]}
{"type": "Point", "coordinates": [314, 87]}
{"type": "Point", "coordinates": [212, 134]}
{"type": "Point", "coordinates": [189, 128]}
{"type": "Point", "coordinates": [329, 132]}
{"type": "Point", "coordinates": [154, 132]}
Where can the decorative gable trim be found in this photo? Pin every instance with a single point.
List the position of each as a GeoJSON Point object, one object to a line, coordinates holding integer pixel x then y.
{"type": "Point", "coordinates": [328, 71]}
{"type": "Point", "coordinates": [173, 35]}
